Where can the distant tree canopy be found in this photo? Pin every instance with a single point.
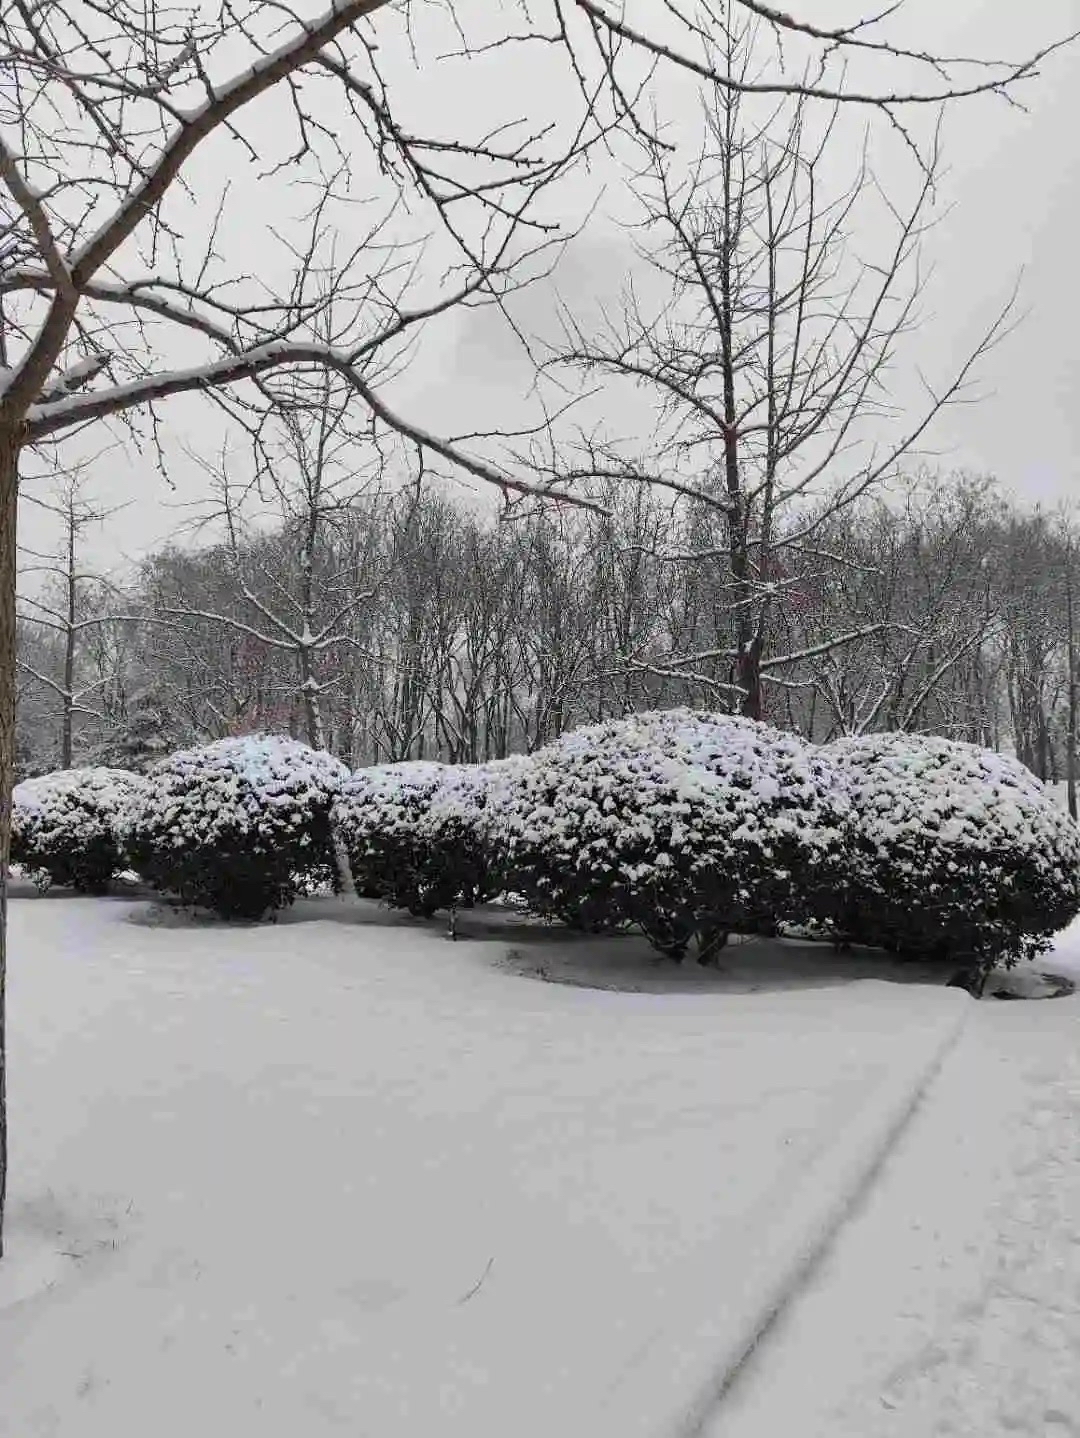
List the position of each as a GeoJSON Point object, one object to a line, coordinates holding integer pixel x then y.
{"type": "Point", "coordinates": [477, 639]}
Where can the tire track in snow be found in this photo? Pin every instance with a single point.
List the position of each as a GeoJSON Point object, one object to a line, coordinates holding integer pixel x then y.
{"type": "Point", "coordinates": [678, 1383]}
{"type": "Point", "coordinates": [950, 1304]}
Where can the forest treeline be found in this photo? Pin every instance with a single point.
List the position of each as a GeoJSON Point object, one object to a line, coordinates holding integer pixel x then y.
{"type": "Point", "coordinates": [410, 626]}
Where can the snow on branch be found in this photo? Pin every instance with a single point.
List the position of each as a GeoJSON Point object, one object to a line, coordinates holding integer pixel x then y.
{"type": "Point", "coordinates": [991, 77]}
{"type": "Point", "coordinates": [814, 651]}
{"type": "Point", "coordinates": [108, 139]}
{"type": "Point", "coordinates": [50, 417]}
{"type": "Point", "coordinates": [75, 378]}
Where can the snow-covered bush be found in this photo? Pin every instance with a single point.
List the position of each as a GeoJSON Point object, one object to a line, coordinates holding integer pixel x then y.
{"type": "Point", "coordinates": [378, 814]}
{"type": "Point", "coordinates": [685, 824]}
{"type": "Point", "coordinates": [415, 833]}
{"type": "Point", "coordinates": [459, 867]}
{"type": "Point", "coordinates": [240, 826]}
{"type": "Point", "coordinates": [959, 852]}
{"type": "Point", "coordinates": [66, 825]}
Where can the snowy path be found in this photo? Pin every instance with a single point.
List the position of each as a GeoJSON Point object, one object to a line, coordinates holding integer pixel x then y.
{"type": "Point", "coordinates": [950, 1302]}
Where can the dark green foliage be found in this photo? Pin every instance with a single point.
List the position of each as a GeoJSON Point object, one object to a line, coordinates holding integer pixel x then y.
{"type": "Point", "coordinates": [415, 834]}
{"type": "Point", "coordinates": [689, 826]}
{"type": "Point", "coordinates": [241, 826]}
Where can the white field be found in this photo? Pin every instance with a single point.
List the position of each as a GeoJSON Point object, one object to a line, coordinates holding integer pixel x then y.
{"type": "Point", "coordinates": [340, 1175]}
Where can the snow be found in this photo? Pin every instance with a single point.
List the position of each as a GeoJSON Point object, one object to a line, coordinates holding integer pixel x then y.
{"type": "Point", "coordinates": [47, 416]}
{"type": "Point", "coordinates": [253, 783]}
{"type": "Point", "coordinates": [385, 799]}
{"type": "Point", "coordinates": [70, 812]}
{"type": "Point", "coordinates": [380, 813]}
{"type": "Point", "coordinates": [950, 1304]}
{"type": "Point", "coordinates": [55, 797]}
{"type": "Point", "coordinates": [339, 1174]}
{"type": "Point", "coordinates": [969, 795]}
{"type": "Point", "coordinates": [76, 377]}
{"type": "Point", "coordinates": [1027, 982]}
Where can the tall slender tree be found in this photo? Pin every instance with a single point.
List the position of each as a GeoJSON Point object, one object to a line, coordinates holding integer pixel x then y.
{"type": "Point", "coordinates": [765, 356]}
{"type": "Point", "coordinates": [68, 603]}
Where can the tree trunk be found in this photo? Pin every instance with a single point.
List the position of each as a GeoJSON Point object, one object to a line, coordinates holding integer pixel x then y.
{"type": "Point", "coordinates": [1069, 615]}
{"type": "Point", "coordinates": [749, 678]}
{"type": "Point", "coordinates": [9, 487]}
{"type": "Point", "coordinates": [67, 717]}
{"type": "Point", "coordinates": [317, 739]}
{"type": "Point", "coordinates": [1042, 743]}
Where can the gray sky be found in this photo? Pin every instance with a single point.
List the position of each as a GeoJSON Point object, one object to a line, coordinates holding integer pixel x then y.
{"type": "Point", "coordinates": [1013, 185]}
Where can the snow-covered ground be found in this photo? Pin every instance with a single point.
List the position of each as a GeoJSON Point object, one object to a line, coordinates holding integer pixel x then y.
{"type": "Point", "coordinates": [949, 1304]}
{"type": "Point", "coordinates": [341, 1175]}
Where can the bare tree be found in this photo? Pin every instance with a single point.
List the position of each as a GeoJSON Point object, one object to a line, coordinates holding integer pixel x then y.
{"type": "Point", "coordinates": [1034, 635]}
{"type": "Point", "coordinates": [1068, 537]}
{"type": "Point", "coordinates": [299, 597]}
{"type": "Point", "coordinates": [216, 682]}
{"type": "Point", "coordinates": [63, 606]}
{"type": "Point", "coordinates": [768, 354]}
{"type": "Point", "coordinates": [914, 576]}
{"type": "Point", "coordinates": [463, 638]}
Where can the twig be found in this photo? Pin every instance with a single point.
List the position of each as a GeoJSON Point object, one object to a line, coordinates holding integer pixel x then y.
{"type": "Point", "coordinates": [475, 1289]}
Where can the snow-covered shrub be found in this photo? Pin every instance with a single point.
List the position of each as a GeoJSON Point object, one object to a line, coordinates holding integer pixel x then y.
{"type": "Point", "coordinates": [415, 833]}
{"type": "Point", "coordinates": [66, 825]}
{"type": "Point", "coordinates": [959, 852]}
{"type": "Point", "coordinates": [790, 800]}
{"type": "Point", "coordinates": [458, 865]}
{"type": "Point", "coordinates": [241, 826]}
{"type": "Point", "coordinates": [377, 814]}
{"type": "Point", "coordinates": [685, 824]}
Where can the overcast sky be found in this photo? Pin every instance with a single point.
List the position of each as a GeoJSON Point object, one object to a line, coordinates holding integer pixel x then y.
{"type": "Point", "coordinates": [1013, 187]}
